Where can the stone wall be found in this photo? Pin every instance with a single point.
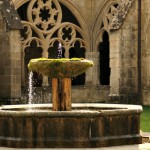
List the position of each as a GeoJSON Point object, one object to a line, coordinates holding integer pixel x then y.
{"type": "Point", "coordinates": [80, 94]}
{"type": "Point", "coordinates": [123, 59]}
{"type": "Point", "coordinates": [10, 62]}
{"type": "Point", "coordinates": [145, 47]}
{"type": "Point", "coordinates": [123, 53]}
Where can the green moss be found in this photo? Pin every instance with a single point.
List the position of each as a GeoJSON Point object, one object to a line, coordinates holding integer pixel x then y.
{"type": "Point", "coordinates": [63, 67]}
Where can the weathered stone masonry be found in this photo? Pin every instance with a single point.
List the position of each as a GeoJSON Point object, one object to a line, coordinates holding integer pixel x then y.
{"type": "Point", "coordinates": [10, 57]}
{"type": "Point", "coordinates": [94, 17]}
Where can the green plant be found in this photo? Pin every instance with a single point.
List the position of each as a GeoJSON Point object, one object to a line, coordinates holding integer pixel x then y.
{"type": "Point", "coordinates": [145, 119]}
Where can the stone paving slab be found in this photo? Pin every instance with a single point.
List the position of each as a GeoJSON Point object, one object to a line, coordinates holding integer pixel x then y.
{"type": "Point", "coordinates": [146, 134]}
{"type": "Point", "coordinates": [145, 146]}
{"type": "Point", "coordinates": [146, 137]}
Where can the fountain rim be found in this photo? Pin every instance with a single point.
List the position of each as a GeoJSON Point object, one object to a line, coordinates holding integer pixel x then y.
{"type": "Point", "coordinates": [59, 68]}
{"type": "Point", "coordinates": [78, 110]}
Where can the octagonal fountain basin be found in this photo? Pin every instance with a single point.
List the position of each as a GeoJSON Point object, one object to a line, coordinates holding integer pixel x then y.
{"type": "Point", "coordinates": [59, 68]}
{"type": "Point", "coordinates": [87, 125]}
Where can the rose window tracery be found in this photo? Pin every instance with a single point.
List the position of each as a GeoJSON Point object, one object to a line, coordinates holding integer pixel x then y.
{"type": "Point", "coordinates": [44, 14]}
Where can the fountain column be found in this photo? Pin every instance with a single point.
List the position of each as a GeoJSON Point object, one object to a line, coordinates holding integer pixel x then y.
{"type": "Point", "coordinates": [61, 94]}
{"type": "Point", "coordinates": [60, 71]}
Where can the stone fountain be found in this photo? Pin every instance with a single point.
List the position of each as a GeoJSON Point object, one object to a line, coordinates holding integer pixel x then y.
{"type": "Point", "coordinates": [62, 124]}
{"type": "Point", "coordinates": [61, 71]}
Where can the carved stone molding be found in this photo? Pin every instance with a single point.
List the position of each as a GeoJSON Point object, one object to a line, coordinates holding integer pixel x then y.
{"type": "Point", "coordinates": [121, 13]}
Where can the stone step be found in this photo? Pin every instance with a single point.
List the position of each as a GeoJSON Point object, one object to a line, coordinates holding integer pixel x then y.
{"type": "Point", "coordinates": [145, 137]}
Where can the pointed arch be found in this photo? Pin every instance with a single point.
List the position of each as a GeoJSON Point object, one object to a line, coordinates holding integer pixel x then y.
{"type": "Point", "coordinates": [77, 12]}
{"type": "Point", "coordinates": [102, 20]}
{"type": "Point", "coordinates": [43, 23]}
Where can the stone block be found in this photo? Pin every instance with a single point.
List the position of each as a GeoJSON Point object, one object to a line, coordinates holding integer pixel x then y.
{"type": "Point", "coordinates": [146, 97]}
{"type": "Point", "coordinates": [115, 63]}
{"type": "Point", "coordinates": [115, 73]}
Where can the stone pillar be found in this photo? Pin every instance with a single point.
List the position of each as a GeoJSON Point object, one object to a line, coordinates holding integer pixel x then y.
{"type": "Point", "coordinates": [115, 60]}
{"type": "Point", "coordinates": [10, 68]}
{"type": "Point", "coordinates": [1, 39]}
{"type": "Point", "coordinates": [10, 62]}
{"type": "Point", "coordinates": [61, 94]}
{"type": "Point", "coordinates": [92, 74]}
{"type": "Point", "coordinates": [145, 52]}
{"type": "Point", "coordinates": [123, 60]}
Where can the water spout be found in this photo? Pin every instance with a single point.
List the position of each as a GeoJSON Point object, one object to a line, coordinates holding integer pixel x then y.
{"type": "Point", "coordinates": [30, 87]}
{"type": "Point", "coordinates": [59, 50]}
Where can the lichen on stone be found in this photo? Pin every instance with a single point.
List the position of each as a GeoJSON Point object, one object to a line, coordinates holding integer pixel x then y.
{"type": "Point", "coordinates": [122, 11]}
{"type": "Point", "coordinates": [59, 68]}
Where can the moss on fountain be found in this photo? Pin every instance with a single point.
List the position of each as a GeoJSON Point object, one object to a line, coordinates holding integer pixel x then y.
{"type": "Point", "coordinates": [56, 68]}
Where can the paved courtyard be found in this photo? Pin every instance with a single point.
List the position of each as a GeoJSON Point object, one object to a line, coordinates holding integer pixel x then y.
{"type": "Point", "coordinates": [145, 146]}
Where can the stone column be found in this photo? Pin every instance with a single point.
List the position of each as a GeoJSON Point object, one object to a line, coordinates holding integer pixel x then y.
{"type": "Point", "coordinates": [92, 74]}
{"type": "Point", "coordinates": [145, 52]}
{"type": "Point", "coordinates": [61, 94]}
{"type": "Point", "coordinates": [10, 54]}
{"type": "Point", "coordinates": [115, 60]}
{"type": "Point", "coordinates": [89, 72]}
{"type": "Point", "coordinates": [123, 59]}
{"type": "Point", "coordinates": [10, 67]}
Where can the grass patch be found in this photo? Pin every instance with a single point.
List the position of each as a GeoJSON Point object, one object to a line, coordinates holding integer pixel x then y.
{"type": "Point", "coordinates": [145, 119]}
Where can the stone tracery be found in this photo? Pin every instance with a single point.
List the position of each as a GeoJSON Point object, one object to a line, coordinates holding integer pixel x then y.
{"type": "Point", "coordinates": [45, 26]}
{"type": "Point", "coordinates": [107, 18]}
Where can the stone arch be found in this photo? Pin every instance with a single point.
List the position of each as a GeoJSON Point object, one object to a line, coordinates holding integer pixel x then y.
{"type": "Point", "coordinates": [45, 33]}
{"type": "Point", "coordinates": [77, 13]}
{"type": "Point", "coordinates": [100, 23]}
{"type": "Point", "coordinates": [100, 26]}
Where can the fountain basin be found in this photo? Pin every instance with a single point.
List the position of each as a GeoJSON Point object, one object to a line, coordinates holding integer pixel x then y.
{"type": "Point", "coordinates": [87, 125]}
{"type": "Point", "coordinates": [59, 68]}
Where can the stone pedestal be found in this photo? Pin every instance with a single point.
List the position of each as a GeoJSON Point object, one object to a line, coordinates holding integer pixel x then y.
{"type": "Point", "coordinates": [61, 94]}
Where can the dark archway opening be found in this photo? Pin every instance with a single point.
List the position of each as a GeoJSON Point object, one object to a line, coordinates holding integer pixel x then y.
{"type": "Point", "coordinates": [77, 52]}
{"type": "Point", "coordinates": [104, 60]}
{"type": "Point", "coordinates": [30, 53]}
{"type": "Point", "coordinates": [53, 51]}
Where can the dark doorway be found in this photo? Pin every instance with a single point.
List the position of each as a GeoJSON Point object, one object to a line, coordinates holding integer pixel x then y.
{"type": "Point", "coordinates": [104, 60]}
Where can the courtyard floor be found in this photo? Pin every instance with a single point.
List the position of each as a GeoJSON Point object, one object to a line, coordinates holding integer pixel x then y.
{"type": "Point", "coordinates": [145, 146]}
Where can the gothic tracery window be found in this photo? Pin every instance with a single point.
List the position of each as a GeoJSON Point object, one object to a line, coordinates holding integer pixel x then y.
{"type": "Point", "coordinates": [48, 22]}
